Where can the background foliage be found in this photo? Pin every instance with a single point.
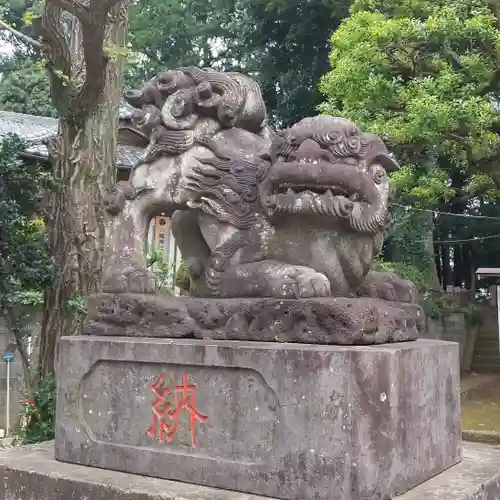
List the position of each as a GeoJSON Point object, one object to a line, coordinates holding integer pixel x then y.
{"type": "Point", "coordinates": [282, 43]}
{"type": "Point", "coordinates": [25, 265]}
{"type": "Point", "coordinates": [425, 76]}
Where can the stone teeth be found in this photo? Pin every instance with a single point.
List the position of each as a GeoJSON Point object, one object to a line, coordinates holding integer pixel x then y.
{"type": "Point", "coordinates": [272, 199]}
{"type": "Point", "coordinates": [329, 195]}
{"type": "Point", "coordinates": [319, 206]}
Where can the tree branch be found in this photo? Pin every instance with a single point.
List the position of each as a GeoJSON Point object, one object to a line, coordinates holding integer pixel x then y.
{"type": "Point", "coordinates": [80, 11]}
{"type": "Point", "coordinates": [21, 36]}
{"type": "Point", "coordinates": [103, 5]}
{"type": "Point", "coordinates": [492, 85]}
{"type": "Point", "coordinates": [59, 54]}
{"type": "Point", "coordinates": [94, 33]}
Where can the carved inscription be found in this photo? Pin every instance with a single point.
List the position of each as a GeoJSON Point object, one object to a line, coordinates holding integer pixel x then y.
{"type": "Point", "coordinates": [168, 407]}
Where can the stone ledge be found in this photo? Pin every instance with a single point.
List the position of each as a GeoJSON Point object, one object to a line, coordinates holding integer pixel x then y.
{"type": "Point", "coordinates": [32, 473]}
{"type": "Point", "coordinates": [488, 437]}
{"type": "Point", "coordinates": [334, 321]}
{"type": "Point", "coordinates": [477, 477]}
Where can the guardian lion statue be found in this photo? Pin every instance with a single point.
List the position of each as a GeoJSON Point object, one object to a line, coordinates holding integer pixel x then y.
{"type": "Point", "coordinates": [298, 213]}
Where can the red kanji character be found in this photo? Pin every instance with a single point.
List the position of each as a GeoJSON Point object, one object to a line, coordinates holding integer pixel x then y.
{"type": "Point", "coordinates": [160, 409]}
{"type": "Point", "coordinates": [185, 398]}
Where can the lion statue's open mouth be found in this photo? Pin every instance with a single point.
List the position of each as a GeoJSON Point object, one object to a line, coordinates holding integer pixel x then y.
{"type": "Point", "coordinates": [326, 166]}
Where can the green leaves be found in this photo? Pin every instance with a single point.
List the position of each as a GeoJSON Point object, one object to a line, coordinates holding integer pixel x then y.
{"type": "Point", "coordinates": [259, 37]}
{"type": "Point", "coordinates": [25, 267]}
{"type": "Point", "coordinates": [418, 79]}
{"type": "Point", "coordinates": [28, 17]}
{"type": "Point", "coordinates": [425, 75]}
{"type": "Point", "coordinates": [37, 416]}
{"type": "Point", "coordinates": [25, 88]}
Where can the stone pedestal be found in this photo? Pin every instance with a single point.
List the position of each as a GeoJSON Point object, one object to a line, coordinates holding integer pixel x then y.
{"type": "Point", "coordinates": [325, 321]}
{"type": "Point", "coordinates": [290, 421]}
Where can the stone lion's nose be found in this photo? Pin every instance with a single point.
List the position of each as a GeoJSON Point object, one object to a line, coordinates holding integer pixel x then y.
{"type": "Point", "coordinates": [309, 151]}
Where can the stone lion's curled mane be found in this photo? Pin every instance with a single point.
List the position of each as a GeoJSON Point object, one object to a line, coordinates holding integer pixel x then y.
{"type": "Point", "coordinates": [177, 108]}
{"type": "Point", "coordinates": [227, 185]}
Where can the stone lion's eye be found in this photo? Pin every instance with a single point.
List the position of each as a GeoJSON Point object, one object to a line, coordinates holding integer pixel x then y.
{"type": "Point", "coordinates": [379, 174]}
{"type": "Point", "coordinates": [178, 107]}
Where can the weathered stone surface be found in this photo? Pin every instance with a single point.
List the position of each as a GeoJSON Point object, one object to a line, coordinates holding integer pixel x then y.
{"type": "Point", "coordinates": [31, 473]}
{"type": "Point", "coordinates": [293, 421]}
{"type": "Point", "coordinates": [314, 321]}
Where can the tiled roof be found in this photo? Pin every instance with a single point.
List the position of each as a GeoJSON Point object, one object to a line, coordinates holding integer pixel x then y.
{"type": "Point", "coordinates": [29, 127]}
{"type": "Point", "coordinates": [37, 130]}
{"type": "Point", "coordinates": [126, 156]}
{"type": "Point", "coordinates": [125, 110]}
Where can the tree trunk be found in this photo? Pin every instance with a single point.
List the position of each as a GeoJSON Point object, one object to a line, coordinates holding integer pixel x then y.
{"type": "Point", "coordinates": [429, 247]}
{"type": "Point", "coordinates": [437, 260]}
{"type": "Point", "coordinates": [445, 249]}
{"type": "Point", "coordinates": [84, 165]}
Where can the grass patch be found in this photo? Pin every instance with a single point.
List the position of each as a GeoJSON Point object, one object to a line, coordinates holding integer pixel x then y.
{"type": "Point", "coordinates": [481, 408]}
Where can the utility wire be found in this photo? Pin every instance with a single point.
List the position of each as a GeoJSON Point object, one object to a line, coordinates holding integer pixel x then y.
{"type": "Point", "coordinates": [468, 240]}
{"type": "Point", "coordinates": [451, 242]}
{"type": "Point", "coordinates": [437, 212]}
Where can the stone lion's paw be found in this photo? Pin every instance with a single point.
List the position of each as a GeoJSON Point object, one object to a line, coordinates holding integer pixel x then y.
{"type": "Point", "coordinates": [388, 286]}
{"type": "Point", "coordinates": [131, 279]}
{"type": "Point", "coordinates": [301, 282]}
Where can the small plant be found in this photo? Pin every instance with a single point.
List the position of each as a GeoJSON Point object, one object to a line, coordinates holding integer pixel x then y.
{"type": "Point", "coordinates": [182, 277]}
{"type": "Point", "coordinates": [37, 415]}
{"type": "Point", "coordinates": [163, 269]}
{"type": "Point", "coordinates": [404, 271]}
{"type": "Point", "coordinates": [432, 307]}
{"type": "Point", "coordinates": [77, 305]}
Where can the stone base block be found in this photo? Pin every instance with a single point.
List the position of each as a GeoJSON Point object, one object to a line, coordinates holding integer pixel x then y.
{"type": "Point", "coordinates": [291, 421]}
{"type": "Point", "coordinates": [31, 473]}
{"type": "Point", "coordinates": [342, 321]}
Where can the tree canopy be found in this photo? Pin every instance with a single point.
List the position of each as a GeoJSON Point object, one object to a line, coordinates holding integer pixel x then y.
{"type": "Point", "coordinates": [284, 44]}
{"type": "Point", "coordinates": [425, 76]}
{"type": "Point", "coordinates": [25, 88]}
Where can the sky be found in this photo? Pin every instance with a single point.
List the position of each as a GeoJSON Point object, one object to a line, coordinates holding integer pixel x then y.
{"type": "Point", "coordinates": [6, 48]}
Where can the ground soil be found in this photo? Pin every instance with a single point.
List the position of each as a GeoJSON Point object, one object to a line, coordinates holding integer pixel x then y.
{"type": "Point", "coordinates": [481, 408]}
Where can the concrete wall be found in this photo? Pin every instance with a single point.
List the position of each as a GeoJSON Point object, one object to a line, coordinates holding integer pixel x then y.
{"type": "Point", "coordinates": [454, 328]}
{"type": "Point", "coordinates": [16, 376]}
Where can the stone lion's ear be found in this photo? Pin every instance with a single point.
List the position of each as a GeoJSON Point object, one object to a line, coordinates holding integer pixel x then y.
{"type": "Point", "coordinates": [387, 161]}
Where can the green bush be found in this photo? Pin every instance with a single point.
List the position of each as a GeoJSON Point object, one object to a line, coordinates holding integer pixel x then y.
{"type": "Point", "coordinates": [37, 416]}
{"type": "Point", "coordinates": [404, 271]}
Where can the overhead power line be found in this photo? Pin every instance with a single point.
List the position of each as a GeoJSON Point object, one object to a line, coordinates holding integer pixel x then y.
{"type": "Point", "coordinates": [468, 240]}
{"type": "Point", "coordinates": [451, 214]}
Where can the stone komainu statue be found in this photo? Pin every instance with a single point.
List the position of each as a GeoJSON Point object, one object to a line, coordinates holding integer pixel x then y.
{"type": "Point", "coordinates": [298, 213]}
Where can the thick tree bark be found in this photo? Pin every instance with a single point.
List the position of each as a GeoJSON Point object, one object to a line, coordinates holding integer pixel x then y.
{"type": "Point", "coordinates": [445, 249]}
{"type": "Point", "coordinates": [428, 237]}
{"type": "Point", "coordinates": [437, 260]}
{"type": "Point", "coordinates": [83, 157]}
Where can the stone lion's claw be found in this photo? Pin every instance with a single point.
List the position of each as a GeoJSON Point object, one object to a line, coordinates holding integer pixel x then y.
{"type": "Point", "coordinates": [300, 282]}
